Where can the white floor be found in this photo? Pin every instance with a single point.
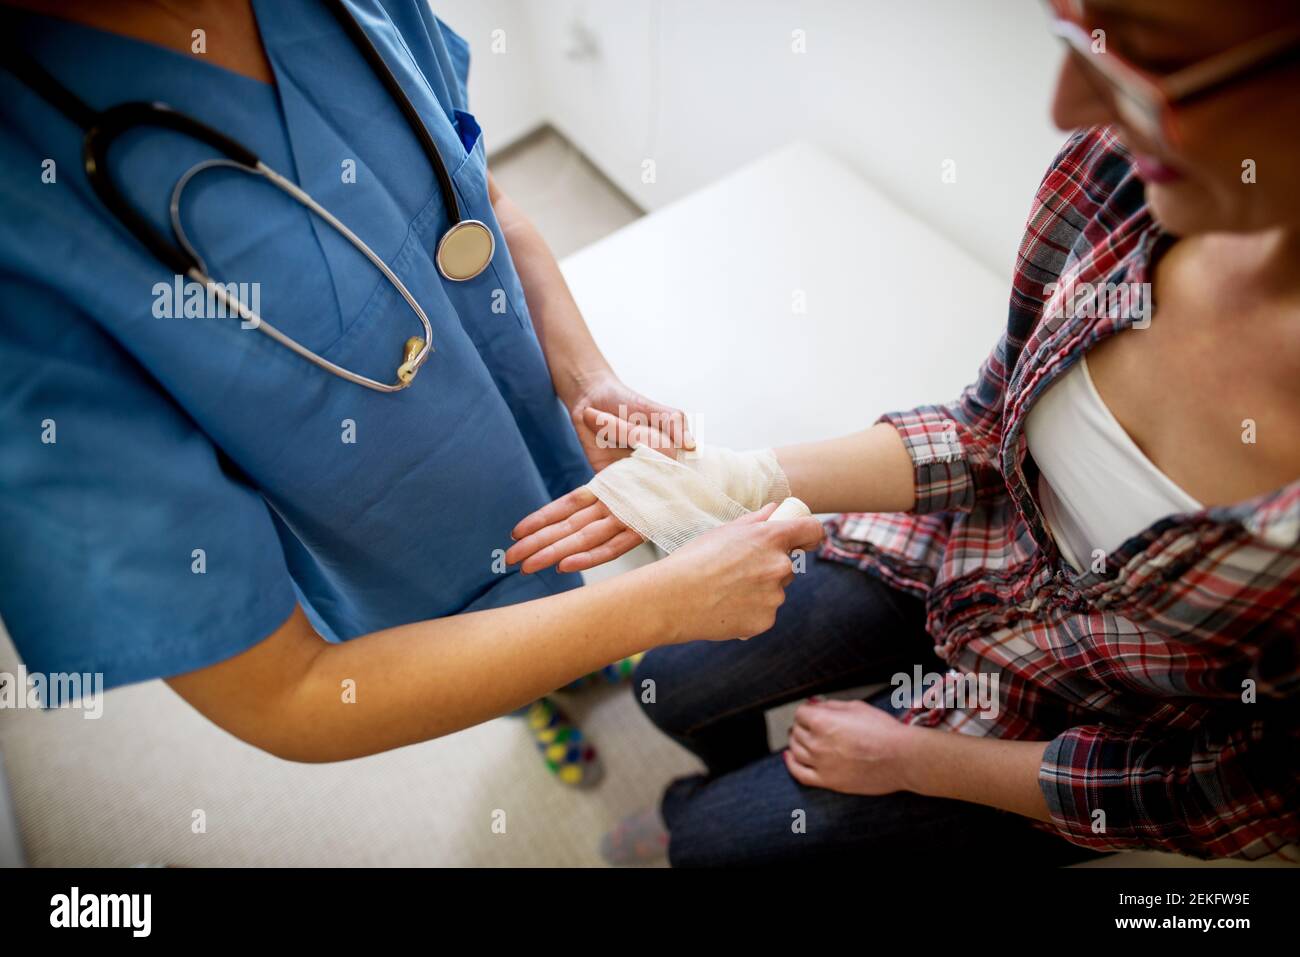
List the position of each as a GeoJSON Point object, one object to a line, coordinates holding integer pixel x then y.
{"type": "Point", "coordinates": [128, 788]}
{"type": "Point", "coordinates": [571, 203]}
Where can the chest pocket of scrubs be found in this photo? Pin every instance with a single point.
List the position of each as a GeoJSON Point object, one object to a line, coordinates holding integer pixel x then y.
{"type": "Point", "coordinates": [371, 341]}
{"type": "Point", "coordinates": [471, 136]}
{"type": "Point", "coordinates": [505, 296]}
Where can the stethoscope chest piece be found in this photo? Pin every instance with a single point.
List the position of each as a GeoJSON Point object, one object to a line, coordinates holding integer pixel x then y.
{"type": "Point", "coordinates": [465, 250]}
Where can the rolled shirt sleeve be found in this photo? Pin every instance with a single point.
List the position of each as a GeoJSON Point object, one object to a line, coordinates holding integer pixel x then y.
{"type": "Point", "coordinates": [1219, 791]}
{"type": "Point", "coordinates": [955, 448]}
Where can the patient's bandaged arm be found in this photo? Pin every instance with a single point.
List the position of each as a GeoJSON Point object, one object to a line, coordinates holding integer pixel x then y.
{"type": "Point", "coordinates": [752, 478]}
{"type": "Point", "coordinates": [669, 501]}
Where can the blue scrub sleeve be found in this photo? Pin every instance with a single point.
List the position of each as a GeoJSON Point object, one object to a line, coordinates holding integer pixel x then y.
{"type": "Point", "coordinates": [128, 547]}
{"type": "Point", "coordinates": [458, 53]}
{"type": "Point", "coordinates": [443, 54]}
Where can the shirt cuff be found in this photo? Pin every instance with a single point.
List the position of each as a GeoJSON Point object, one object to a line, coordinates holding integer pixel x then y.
{"type": "Point", "coordinates": [941, 470]}
{"type": "Point", "coordinates": [1088, 798]}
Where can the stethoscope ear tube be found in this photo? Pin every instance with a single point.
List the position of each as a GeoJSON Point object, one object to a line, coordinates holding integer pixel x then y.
{"type": "Point", "coordinates": [107, 126]}
{"type": "Point", "coordinates": [381, 69]}
{"type": "Point", "coordinates": [464, 252]}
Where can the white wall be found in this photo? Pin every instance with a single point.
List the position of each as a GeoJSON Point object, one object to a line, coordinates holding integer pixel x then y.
{"type": "Point", "coordinates": [893, 87]}
{"type": "Point", "coordinates": [503, 90]}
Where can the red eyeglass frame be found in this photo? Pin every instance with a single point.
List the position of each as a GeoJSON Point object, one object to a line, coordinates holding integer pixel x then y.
{"type": "Point", "coordinates": [1147, 101]}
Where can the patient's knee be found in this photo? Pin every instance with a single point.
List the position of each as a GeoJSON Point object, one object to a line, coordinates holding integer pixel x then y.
{"type": "Point", "coordinates": [659, 685]}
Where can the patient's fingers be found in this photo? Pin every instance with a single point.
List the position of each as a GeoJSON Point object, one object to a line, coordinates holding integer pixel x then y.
{"type": "Point", "coordinates": [557, 511]}
{"type": "Point", "coordinates": [620, 544]}
{"type": "Point", "coordinates": [799, 747]}
{"type": "Point", "coordinates": [550, 534]}
{"type": "Point", "coordinates": [805, 714]}
{"type": "Point", "coordinates": [581, 537]}
{"type": "Point", "coordinates": [800, 771]}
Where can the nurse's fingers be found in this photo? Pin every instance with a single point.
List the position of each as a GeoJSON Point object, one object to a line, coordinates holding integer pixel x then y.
{"type": "Point", "coordinates": [673, 424]}
{"type": "Point", "coordinates": [557, 511]}
{"type": "Point", "coordinates": [756, 517]}
{"type": "Point", "coordinates": [590, 536]}
{"type": "Point", "coordinates": [801, 533]}
{"type": "Point", "coordinates": [616, 433]}
{"type": "Point", "coordinates": [620, 544]}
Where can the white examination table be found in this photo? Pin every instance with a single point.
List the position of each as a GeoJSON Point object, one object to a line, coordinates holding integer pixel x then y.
{"type": "Point", "coordinates": [698, 303]}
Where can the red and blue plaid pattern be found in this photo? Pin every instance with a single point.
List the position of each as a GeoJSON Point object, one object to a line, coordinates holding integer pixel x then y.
{"type": "Point", "coordinates": [1165, 676]}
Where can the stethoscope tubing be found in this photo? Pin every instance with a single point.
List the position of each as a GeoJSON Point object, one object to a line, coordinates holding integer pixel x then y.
{"type": "Point", "coordinates": [102, 128]}
{"type": "Point", "coordinates": [361, 40]}
{"type": "Point", "coordinates": [198, 272]}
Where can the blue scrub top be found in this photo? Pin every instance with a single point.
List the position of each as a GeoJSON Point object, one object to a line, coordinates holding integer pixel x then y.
{"type": "Point", "coordinates": [171, 486]}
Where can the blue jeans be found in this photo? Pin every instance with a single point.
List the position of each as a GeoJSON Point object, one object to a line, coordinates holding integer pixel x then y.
{"type": "Point", "coordinates": [839, 628]}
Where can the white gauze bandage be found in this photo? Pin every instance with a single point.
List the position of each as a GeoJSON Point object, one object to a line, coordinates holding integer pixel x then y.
{"type": "Point", "coordinates": [669, 501]}
{"type": "Point", "coordinates": [752, 478]}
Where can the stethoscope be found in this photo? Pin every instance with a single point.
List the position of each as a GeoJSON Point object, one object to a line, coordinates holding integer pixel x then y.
{"type": "Point", "coordinates": [463, 251]}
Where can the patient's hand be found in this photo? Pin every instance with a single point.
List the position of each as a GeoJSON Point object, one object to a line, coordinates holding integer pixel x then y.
{"type": "Point", "coordinates": [848, 746]}
{"type": "Point", "coordinates": [576, 531]}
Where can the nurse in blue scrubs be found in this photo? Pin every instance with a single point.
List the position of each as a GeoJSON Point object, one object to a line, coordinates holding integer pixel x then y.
{"type": "Point", "coordinates": [315, 566]}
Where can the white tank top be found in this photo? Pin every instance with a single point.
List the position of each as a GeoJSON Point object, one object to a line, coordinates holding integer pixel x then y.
{"type": "Point", "coordinates": [1096, 487]}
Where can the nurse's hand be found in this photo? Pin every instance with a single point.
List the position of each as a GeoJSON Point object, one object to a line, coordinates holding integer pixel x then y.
{"type": "Point", "coordinates": [612, 419]}
{"type": "Point", "coordinates": [729, 582]}
{"type": "Point", "coordinates": [576, 531]}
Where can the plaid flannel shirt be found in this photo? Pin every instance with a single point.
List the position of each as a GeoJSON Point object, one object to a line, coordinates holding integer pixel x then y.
{"type": "Point", "coordinates": [1165, 674]}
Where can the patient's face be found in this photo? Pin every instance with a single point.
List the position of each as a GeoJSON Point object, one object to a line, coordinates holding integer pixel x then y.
{"type": "Point", "coordinates": [1197, 185]}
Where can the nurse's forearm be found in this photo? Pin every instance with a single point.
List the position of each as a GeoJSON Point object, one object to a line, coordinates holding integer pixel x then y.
{"type": "Point", "coordinates": [303, 699]}
{"type": "Point", "coordinates": [868, 471]}
{"type": "Point", "coordinates": [571, 352]}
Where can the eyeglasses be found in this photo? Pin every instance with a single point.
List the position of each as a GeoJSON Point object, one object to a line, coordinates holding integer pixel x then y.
{"type": "Point", "coordinates": [1146, 101]}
